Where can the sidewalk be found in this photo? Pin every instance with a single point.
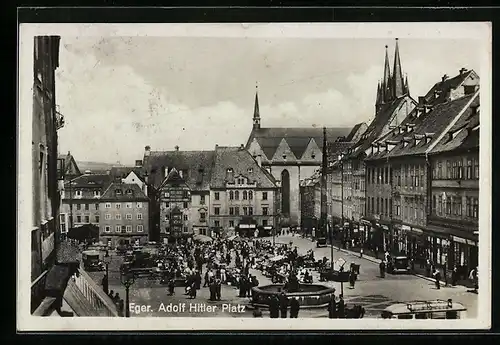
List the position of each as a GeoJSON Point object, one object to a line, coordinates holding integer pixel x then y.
{"type": "Point", "coordinates": [370, 256]}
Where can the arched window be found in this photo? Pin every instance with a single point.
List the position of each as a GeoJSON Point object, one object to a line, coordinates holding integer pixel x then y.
{"type": "Point", "coordinates": [245, 196]}
{"type": "Point", "coordinates": [285, 192]}
{"type": "Point", "coordinates": [250, 195]}
{"type": "Point", "coordinates": [231, 195]}
{"type": "Point", "coordinates": [236, 195]}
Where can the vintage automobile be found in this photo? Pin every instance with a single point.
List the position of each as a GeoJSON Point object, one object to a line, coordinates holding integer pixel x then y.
{"type": "Point", "coordinates": [399, 264]}
{"type": "Point", "coordinates": [321, 242]}
{"type": "Point", "coordinates": [91, 261]}
{"type": "Point", "coordinates": [436, 309]}
{"type": "Point", "coordinates": [328, 274]}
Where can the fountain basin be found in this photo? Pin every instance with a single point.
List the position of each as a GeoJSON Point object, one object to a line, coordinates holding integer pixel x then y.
{"type": "Point", "coordinates": [309, 295]}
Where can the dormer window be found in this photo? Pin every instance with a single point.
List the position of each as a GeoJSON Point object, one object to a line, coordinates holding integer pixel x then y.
{"type": "Point", "coordinates": [401, 130]}
{"type": "Point", "coordinates": [284, 156]}
{"type": "Point", "coordinates": [97, 193]}
{"type": "Point", "coordinates": [250, 170]}
{"type": "Point", "coordinates": [78, 193]}
{"type": "Point", "coordinates": [229, 170]}
{"type": "Point", "coordinates": [118, 191]}
{"type": "Point", "coordinates": [313, 156]}
{"type": "Point", "coordinates": [129, 191]}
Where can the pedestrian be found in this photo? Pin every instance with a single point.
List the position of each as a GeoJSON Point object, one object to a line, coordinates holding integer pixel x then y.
{"type": "Point", "coordinates": [116, 299]}
{"type": "Point", "coordinates": [341, 307]}
{"type": "Point", "coordinates": [218, 287]}
{"type": "Point", "coordinates": [283, 303]}
{"type": "Point", "coordinates": [454, 276]}
{"type": "Point", "coordinates": [110, 294]}
{"type": "Point", "coordinates": [120, 307]}
{"type": "Point", "coordinates": [437, 275]}
{"type": "Point", "coordinates": [274, 308]}
{"type": "Point", "coordinates": [294, 308]}
{"type": "Point", "coordinates": [445, 274]}
{"type": "Point", "coordinates": [332, 308]}
{"type": "Point", "coordinates": [352, 279]}
{"type": "Point", "coordinates": [171, 286]}
{"type": "Point", "coordinates": [192, 291]}
{"type": "Point", "coordinates": [104, 283]}
{"type": "Point", "coordinates": [382, 269]}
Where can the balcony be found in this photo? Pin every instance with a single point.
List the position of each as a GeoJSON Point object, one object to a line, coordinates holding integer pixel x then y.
{"type": "Point", "coordinates": [466, 184]}
{"type": "Point", "coordinates": [82, 295]}
{"type": "Point", "coordinates": [460, 224]}
{"type": "Point", "coordinates": [59, 120]}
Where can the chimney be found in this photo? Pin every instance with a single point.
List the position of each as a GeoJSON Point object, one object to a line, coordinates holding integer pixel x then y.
{"type": "Point", "coordinates": [181, 173]}
{"type": "Point", "coordinates": [165, 171]}
{"type": "Point", "coordinates": [147, 150]}
{"type": "Point", "coordinates": [108, 172]}
{"type": "Point", "coordinates": [176, 148]}
{"type": "Point", "coordinates": [242, 147]}
{"type": "Point", "coordinates": [462, 70]}
{"type": "Point", "coordinates": [444, 78]}
{"type": "Point", "coordinates": [138, 163]}
{"type": "Point", "coordinates": [259, 160]}
{"type": "Point", "coordinates": [421, 101]}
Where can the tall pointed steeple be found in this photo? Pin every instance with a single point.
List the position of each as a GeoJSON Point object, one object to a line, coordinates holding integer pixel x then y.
{"type": "Point", "coordinates": [397, 75]}
{"type": "Point", "coordinates": [407, 87]}
{"type": "Point", "coordinates": [386, 83]}
{"type": "Point", "coordinates": [256, 112]}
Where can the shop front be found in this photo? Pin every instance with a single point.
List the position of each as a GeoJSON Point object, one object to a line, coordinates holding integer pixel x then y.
{"type": "Point", "coordinates": [399, 243]}
{"type": "Point", "coordinates": [246, 227]}
{"type": "Point", "coordinates": [364, 230]}
{"type": "Point", "coordinates": [464, 255]}
{"type": "Point", "coordinates": [415, 243]}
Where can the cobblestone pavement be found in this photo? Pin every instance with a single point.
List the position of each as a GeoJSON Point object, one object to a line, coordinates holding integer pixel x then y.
{"type": "Point", "coordinates": [370, 291]}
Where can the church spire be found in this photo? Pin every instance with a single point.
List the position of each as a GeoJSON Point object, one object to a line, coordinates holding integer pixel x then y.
{"type": "Point", "coordinates": [397, 75]}
{"type": "Point", "coordinates": [386, 83]}
{"type": "Point", "coordinates": [407, 87]}
{"type": "Point", "coordinates": [256, 113]}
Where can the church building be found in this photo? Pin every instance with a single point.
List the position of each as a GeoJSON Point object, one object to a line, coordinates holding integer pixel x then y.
{"type": "Point", "coordinates": [290, 154]}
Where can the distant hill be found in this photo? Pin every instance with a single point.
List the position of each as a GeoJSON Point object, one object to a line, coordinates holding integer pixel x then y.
{"type": "Point", "coordinates": [96, 167]}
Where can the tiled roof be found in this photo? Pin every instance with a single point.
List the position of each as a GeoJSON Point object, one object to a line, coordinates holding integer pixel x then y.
{"type": "Point", "coordinates": [91, 180]}
{"type": "Point", "coordinates": [136, 193]}
{"type": "Point", "coordinates": [297, 138]}
{"type": "Point", "coordinates": [461, 135]}
{"type": "Point", "coordinates": [375, 128]}
{"type": "Point", "coordinates": [443, 87]}
{"type": "Point", "coordinates": [352, 135]}
{"type": "Point", "coordinates": [241, 161]}
{"type": "Point", "coordinates": [432, 123]}
{"type": "Point", "coordinates": [198, 165]}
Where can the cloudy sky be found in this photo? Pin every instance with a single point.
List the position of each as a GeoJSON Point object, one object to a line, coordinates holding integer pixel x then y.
{"type": "Point", "coordinates": [119, 94]}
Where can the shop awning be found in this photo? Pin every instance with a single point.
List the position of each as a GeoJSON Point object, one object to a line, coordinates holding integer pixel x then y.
{"type": "Point", "coordinates": [202, 238]}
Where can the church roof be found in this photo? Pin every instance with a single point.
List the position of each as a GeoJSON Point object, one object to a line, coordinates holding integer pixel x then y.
{"type": "Point", "coordinates": [242, 163]}
{"type": "Point", "coordinates": [297, 139]}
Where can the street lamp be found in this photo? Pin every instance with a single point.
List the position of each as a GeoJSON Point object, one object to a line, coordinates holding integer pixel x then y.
{"type": "Point", "coordinates": [107, 261]}
{"type": "Point", "coordinates": [127, 278]}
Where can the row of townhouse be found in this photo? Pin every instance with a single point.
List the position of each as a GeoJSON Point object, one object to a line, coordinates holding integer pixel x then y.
{"type": "Point", "coordinates": [420, 168]}
{"type": "Point", "coordinates": [116, 203]}
{"type": "Point", "coordinates": [209, 192]}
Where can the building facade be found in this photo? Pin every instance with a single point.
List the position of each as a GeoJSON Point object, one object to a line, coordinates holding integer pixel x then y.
{"type": "Point", "coordinates": [399, 170]}
{"type": "Point", "coordinates": [46, 122]}
{"type": "Point", "coordinates": [243, 195]}
{"type": "Point", "coordinates": [393, 104]}
{"type": "Point", "coordinates": [124, 215]}
{"type": "Point", "coordinates": [310, 197]}
{"type": "Point", "coordinates": [454, 210]}
{"type": "Point", "coordinates": [289, 155]}
{"type": "Point", "coordinates": [192, 176]}
{"type": "Point", "coordinates": [81, 201]}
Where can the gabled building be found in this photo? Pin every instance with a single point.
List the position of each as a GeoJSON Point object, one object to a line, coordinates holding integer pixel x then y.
{"type": "Point", "coordinates": [124, 213]}
{"type": "Point", "coordinates": [393, 104]}
{"type": "Point", "coordinates": [70, 166]}
{"type": "Point", "coordinates": [289, 155]}
{"type": "Point", "coordinates": [243, 195]}
{"type": "Point", "coordinates": [454, 192]}
{"type": "Point", "coordinates": [194, 168]}
{"type": "Point", "coordinates": [399, 180]}
{"type": "Point", "coordinates": [81, 201]}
